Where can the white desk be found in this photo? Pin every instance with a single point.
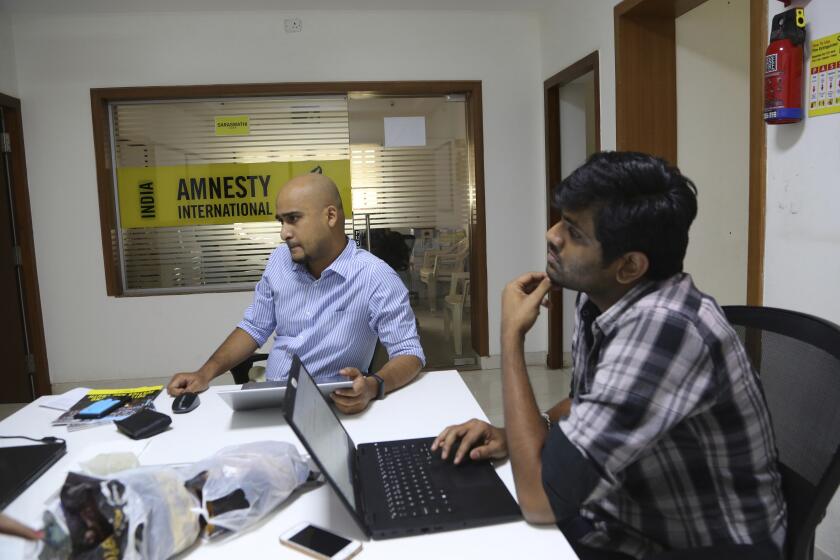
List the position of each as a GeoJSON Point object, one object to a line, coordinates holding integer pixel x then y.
{"type": "Point", "coordinates": [422, 409]}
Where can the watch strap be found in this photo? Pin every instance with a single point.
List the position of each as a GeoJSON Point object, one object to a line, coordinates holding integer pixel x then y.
{"type": "Point", "coordinates": [380, 389]}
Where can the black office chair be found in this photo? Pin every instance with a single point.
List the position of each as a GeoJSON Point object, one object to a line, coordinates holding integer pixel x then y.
{"type": "Point", "coordinates": [240, 371]}
{"type": "Point", "coordinates": [797, 357]}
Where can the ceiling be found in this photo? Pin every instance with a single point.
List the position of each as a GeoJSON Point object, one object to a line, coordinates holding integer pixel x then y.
{"type": "Point", "coordinates": [147, 6]}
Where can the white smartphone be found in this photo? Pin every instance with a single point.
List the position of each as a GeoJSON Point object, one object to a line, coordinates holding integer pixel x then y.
{"type": "Point", "coordinates": [320, 543]}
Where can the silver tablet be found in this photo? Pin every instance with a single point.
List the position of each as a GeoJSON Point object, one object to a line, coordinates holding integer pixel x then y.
{"type": "Point", "coordinates": [254, 396]}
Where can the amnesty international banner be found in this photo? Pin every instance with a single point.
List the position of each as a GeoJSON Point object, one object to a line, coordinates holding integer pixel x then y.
{"type": "Point", "coordinates": [218, 193]}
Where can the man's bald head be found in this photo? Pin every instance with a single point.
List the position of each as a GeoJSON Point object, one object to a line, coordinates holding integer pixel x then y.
{"type": "Point", "coordinates": [310, 209]}
{"type": "Point", "coordinates": [317, 188]}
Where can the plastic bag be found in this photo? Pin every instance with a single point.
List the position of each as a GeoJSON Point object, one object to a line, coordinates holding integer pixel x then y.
{"type": "Point", "coordinates": [144, 513]}
{"type": "Point", "coordinates": [157, 511]}
{"type": "Point", "coordinates": [240, 484]}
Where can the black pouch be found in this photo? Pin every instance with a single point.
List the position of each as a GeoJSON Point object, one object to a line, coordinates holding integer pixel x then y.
{"type": "Point", "coordinates": [143, 423]}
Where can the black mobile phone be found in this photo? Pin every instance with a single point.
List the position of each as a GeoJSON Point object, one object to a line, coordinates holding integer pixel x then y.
{"type": "Point", "coordinates": [101, 408]}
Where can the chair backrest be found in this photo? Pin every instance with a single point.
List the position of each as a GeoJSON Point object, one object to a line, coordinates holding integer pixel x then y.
{"type": "Point", "coordinates": [797, 357]}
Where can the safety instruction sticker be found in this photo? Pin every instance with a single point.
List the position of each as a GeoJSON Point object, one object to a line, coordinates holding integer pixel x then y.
{"type": "Point", "coordinates": [218, 193]}
{"type": "Point", "coordinates": [824, 76]}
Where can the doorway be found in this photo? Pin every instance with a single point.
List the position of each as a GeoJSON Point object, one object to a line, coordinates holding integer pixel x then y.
{"type": "Point", "coordinates": [23, 349]}
{"type": "Point", "coordinates": [572, 134]}
{"type": "Point", "coordinates": [646, 102]}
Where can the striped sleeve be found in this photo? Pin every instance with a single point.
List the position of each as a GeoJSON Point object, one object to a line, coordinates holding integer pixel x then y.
{"type": "Point", "coordinates": [391, 317]}
{"type": "Point", "coordinates": [259, 320]}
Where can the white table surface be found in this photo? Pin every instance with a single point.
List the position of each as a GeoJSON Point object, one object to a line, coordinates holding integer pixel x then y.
{"type": "Point", "coordinates": [422, 409]}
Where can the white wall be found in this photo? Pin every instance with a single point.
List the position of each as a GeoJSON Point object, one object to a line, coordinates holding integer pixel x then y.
{"type": "Point", "coordinates": [59, 58]}
{"type": "Point", "coordinates": [713, 141]}
{"type": "Point", "coordinates": [569, 31]}
{"type": "Point", "coordinates": [8, 80]}
{"type": "Point", "coordinates": [802, 236]}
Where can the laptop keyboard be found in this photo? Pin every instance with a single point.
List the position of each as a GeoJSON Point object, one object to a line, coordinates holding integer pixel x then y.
{"type": "Point", "coordinates": [409, 490]}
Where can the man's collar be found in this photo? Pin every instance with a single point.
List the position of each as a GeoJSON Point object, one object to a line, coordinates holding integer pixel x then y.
{"type": "Point", "coordinates": [607, 318]}
{"type": "Point", "coordinates": [610, 316]}
{"type": "Point", "coordinates": [340, 266]}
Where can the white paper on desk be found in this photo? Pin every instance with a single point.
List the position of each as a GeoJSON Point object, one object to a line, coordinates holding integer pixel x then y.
{"type": "Point", "coordinates": [404, 132]}
{"type": "Point", "coordinates": [66, 400]}
{"type": "Point", "coordinates": [100, 448]}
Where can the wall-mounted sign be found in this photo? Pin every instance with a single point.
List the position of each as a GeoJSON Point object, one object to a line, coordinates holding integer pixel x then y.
{"type": "Point", "coordinates": [824, 76]}
{"type": "Point", "coordinates": [218, 193]}
{"type": "Point", "coordinates": [236, 125]}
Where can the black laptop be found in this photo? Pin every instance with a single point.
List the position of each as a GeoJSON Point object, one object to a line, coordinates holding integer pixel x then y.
{"type": "Point", "coordinates": [394, 488]}
{"type": "Point", "coordinates": [20, 466]}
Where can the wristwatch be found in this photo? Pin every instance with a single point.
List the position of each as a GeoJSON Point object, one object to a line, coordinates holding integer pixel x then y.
{"type": "Point", "coordinates": [547, 420]}
{"type": "Point", "coordinates": [380, 389]}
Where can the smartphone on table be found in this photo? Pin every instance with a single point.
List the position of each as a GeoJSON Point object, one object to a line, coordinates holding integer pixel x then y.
{"type": "Point", "coordinates": [320, 543]}
{"type": "Point", "coordinates": [101, 408]}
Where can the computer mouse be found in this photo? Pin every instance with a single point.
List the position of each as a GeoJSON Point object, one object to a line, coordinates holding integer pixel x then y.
{"type": "Point", "coordinates": [185, 402]}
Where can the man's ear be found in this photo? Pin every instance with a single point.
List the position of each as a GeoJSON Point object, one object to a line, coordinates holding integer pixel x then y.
{"type": "Point", "coordinates": [634, 265]}
{"type": "Point", "coordinates": [332, 215]}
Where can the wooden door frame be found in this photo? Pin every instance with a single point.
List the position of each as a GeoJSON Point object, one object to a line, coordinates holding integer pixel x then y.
{"type": "Point", "coordinates": [646, 101]}
{"type": "Point", "coordinates": [26, 241]}
{"type": "Point", "coordinates": [101, 97]}
{"type": "Point", "coordinates": [554, 173]}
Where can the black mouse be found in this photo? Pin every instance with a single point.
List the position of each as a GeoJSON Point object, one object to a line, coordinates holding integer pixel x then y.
{"type": "Point", "coordinates": [185, 402]}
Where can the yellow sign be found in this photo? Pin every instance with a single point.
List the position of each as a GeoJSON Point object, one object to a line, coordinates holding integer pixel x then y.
{"type": "Point", "coordinates": [218, 193]}
{"type": "Point", "coordinates": [824, 76]}
{"type": "Point", "coordinates": [237, 125]}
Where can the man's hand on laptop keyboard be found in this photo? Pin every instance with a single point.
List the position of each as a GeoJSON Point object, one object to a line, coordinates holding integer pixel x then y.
{"type": "Point", "coordinates": [482, 440]}
{"type": "Point", "coordinates": [356, 398]}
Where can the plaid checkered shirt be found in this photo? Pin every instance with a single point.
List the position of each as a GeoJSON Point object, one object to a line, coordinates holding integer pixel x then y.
{"type": "Point", "coordinates": [668, 409]}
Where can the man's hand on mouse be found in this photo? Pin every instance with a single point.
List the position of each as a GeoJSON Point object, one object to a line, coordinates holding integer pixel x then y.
{"type": "Point", "coordinates": [194, 382]}
{"type": "Point", "coordinates": [356, 398]}
{"type": "Point", "coordinates": [480, 439]}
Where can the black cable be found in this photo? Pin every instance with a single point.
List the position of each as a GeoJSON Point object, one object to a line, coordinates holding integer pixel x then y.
{"type": "Point", "coordinates": [48, 439]}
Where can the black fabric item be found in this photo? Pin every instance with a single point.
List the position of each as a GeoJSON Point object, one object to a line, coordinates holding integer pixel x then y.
{"type": "Point", "coordinates": [144, 423]}
{"type": "Point", "coordinates": [567, 476]}
{"type": "Point", "coordinates": [762, 551]}
{"type": "Point", "coordinates": [588, 553]}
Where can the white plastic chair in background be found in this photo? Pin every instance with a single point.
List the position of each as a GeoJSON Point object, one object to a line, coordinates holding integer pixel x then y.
{"type": "Point", "coordinates": [439, 265]}
{"type": "Point", "coordinates": [453, 313]}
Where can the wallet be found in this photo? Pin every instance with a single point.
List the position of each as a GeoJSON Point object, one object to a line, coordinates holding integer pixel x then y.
{"type": "Point", "coordinates": [143, 423]}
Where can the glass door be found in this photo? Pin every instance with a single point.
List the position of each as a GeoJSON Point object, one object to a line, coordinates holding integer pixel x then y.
{"type": "Point", "coordinates": [413, 199]}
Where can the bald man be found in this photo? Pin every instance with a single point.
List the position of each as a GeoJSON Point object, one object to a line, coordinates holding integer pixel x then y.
{"type": "Point", "coordinates": [325, 300]}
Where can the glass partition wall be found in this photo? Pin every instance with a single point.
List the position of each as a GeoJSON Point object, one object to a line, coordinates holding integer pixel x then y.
{"type": "Point", "coordinates": [195, 181]}
{"type": "Point", "coordinates": [413, 199]}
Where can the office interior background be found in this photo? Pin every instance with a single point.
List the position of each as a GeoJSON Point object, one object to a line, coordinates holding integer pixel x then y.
{"type": "Point", "coordinates": [53, 52]}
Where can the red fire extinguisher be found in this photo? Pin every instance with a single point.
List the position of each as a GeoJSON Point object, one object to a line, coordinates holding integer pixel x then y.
{"type": "Point", "coordinates": [783, 68]}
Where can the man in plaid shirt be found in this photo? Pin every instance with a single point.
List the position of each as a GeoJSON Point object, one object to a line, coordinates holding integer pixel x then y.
{"type": "Point", "coordinates": [665, 445]}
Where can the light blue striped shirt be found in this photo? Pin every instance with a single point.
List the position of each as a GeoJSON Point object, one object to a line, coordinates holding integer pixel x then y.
{"type": "Point", "coordinates": [331, 322]}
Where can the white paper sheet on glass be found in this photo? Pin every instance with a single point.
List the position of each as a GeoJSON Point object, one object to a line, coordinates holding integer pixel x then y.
{"type": "Point", "coordinates": [404, 132]}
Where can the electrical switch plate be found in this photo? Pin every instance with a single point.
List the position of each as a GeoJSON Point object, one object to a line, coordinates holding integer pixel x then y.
{"type": "Point", "coordinates": [293, 25]}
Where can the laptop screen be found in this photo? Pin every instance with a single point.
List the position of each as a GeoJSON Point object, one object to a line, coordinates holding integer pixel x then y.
{"type": "Point", "coordinates": [324, 434]}
{"type": "Point", "coordinates": [20, 466]}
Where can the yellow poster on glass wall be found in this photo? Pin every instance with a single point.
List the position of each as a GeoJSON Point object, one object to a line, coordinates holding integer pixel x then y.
{"type": "Point", "coordinates": [218, 193]}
